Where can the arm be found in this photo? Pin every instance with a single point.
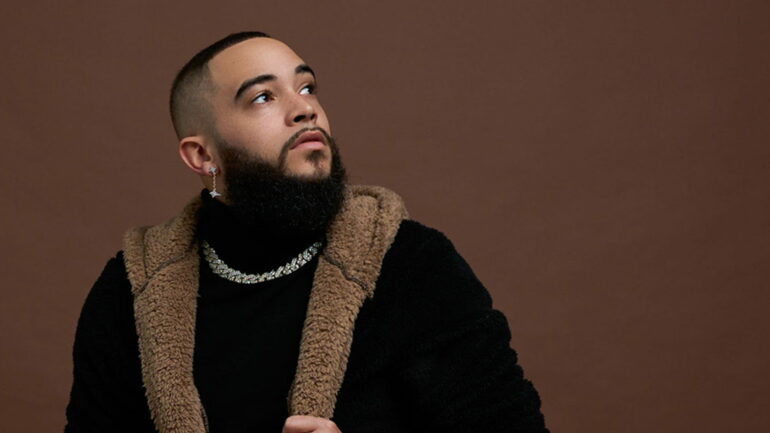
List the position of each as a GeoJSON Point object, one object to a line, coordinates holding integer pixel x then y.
{"type": "Point", "coordinates": [106, 393]}
{"type": "Point", "coordinates": [461, 374]}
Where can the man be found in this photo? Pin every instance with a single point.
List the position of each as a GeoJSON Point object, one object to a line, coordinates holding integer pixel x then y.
{"type": "Point", "coordinates": [282, 298]}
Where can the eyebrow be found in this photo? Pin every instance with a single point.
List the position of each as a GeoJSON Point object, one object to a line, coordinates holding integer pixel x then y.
{"type": "Point", "coordinates": [259, 79]}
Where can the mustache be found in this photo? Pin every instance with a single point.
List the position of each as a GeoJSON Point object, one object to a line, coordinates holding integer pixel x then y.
{"type": "Point", "coordinates": [295, 136]}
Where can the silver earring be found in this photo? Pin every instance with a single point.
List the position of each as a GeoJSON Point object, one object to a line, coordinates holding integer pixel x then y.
{"type": "Point", "coordinates": [213, 192]}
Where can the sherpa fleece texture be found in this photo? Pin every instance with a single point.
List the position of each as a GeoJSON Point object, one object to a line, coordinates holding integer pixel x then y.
{"type": "Point", "coordinates": [428, 352]}
{"type": "Point", "coordinates": [162, 264]}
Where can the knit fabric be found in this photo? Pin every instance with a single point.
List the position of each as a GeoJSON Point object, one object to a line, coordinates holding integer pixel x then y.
{"type": "Point", "coordinates": [247, 335]}
{"type": "Point", "coordinates": [428, 353]}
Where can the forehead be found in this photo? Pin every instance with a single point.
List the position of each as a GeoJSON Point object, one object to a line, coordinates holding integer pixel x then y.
{"type": "Point", "coordinates": [250, 58]}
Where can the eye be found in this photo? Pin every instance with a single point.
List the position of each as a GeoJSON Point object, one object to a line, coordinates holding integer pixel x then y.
{"type": "Point", "coordinates": [261, 98]}
{"type": "Point", "coordinates": [311, 88]}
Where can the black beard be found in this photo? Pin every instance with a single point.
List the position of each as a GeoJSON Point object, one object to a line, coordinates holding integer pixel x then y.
{"type": "Point", "coordinates": [263, 197]}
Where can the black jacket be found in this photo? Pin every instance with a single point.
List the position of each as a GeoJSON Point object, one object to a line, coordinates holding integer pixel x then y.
{"type": "Point", "coordinates": [427, 352]}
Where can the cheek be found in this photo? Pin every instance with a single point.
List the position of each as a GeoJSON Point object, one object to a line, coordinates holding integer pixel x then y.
{"type": "Point", "coordinates": [323, 121]}
{"type": "Point", "coordinates": [260, 137]}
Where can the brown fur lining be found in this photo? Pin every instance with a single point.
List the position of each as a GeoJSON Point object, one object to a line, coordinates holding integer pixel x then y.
{"type": "Point", "coordinates": [162, 263]}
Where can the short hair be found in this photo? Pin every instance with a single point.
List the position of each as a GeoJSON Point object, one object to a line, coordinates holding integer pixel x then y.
{"type": "Point", "coordinates": [189, 103]}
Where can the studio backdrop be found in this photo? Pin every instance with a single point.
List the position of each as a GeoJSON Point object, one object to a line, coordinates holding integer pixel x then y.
{"type": "Point", "coordinates": [602, 166]}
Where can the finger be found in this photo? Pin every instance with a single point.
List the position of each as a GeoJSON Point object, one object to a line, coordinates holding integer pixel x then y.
{"type": "Point", "coordinates": [309, 424]}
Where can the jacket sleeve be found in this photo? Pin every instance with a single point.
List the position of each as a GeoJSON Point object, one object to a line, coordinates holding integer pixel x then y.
{"type": "Point", "coordinates": [106, 393]}
{"type": "Point", "coordinates": [461, 375]}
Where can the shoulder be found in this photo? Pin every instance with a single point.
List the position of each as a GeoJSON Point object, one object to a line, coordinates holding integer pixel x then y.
{"type": "Point", "coordinates": [423, 273]}
{"type": "Point", "coordinates": [430, 251]}
{"type": "Point", "coordinates": [108, 306]}
{"type": "Point", "coordinates": [414, 240]}
{"type": "Point", "coordinates": [414, 231]}
{"type": "Point", "coordinates": [111, 280]}
{"type": "Point", "coordinates": [426, 293]}
{"type": "Point", "coordinates": [114, 269]}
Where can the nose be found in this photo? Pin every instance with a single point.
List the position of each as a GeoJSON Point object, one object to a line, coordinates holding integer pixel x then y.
{"type": "Point", "coordinates": [301, 111]}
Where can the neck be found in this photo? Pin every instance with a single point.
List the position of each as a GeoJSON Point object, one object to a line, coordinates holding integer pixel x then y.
{"type": "Point", "coordinates": [249, 248]}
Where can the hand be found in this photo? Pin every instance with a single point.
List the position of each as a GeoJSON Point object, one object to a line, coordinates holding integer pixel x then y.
{"type": "Point", "coordinates": [309, 424]}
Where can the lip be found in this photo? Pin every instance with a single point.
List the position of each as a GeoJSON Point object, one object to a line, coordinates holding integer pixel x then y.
{"type": "Point", "coordinates": [309, 139]}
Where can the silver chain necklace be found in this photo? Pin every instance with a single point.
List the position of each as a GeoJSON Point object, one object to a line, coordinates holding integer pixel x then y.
{"type": "Point", "coordinates": [220, 268]}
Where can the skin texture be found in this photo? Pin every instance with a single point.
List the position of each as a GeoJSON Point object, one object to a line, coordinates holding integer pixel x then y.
{"type": "Point", "coordinates": [309, 424]}
{"type": "Point", "coordinates": [265, 119]}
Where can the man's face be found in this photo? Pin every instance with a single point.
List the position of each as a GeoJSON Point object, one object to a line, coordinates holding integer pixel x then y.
{"type": "Point", "coordinates": [263, 98]}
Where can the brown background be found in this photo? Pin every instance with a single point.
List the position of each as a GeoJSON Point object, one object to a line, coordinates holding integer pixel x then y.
{"type": "Point", "coordinates": [603, 166]}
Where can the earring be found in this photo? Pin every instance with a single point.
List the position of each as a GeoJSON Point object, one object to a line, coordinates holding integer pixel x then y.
{"type": "Point", "coordinates": [213, 192]}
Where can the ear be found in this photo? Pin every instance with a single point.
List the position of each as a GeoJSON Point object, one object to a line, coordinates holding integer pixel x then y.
{"type": "Point", "coordinates": [198, 154]}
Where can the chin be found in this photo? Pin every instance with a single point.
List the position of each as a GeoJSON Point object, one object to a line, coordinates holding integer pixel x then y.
{"type": "Point", "coordinates": [310, 170]}
{"type": "Point", "coordinates": [310, 173]}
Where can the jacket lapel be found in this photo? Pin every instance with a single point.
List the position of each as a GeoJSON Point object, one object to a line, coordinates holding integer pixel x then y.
{"type": "Point", "coordinates": [162, 263]}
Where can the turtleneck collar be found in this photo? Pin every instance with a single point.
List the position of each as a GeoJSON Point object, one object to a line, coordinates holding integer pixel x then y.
{"type": "Point", "coordinates": [248, 249]}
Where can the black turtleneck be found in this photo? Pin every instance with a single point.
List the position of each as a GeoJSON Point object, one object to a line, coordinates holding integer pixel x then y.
{"type": "Point", "coordinates": [247, 248]}
{"type": "Point", "coordinates": [247, 335]}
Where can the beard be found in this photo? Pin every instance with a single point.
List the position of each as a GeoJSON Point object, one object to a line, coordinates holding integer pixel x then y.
{"type": "Point", "coordinates": [261, 196]}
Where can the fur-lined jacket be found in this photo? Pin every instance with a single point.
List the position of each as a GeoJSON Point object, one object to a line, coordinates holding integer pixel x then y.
{"type": "Point", "coordinates": [399, 334]}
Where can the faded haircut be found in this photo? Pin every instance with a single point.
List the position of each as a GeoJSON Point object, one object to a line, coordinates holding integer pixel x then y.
{"type": "Point", "coordinates": [189, 100]}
